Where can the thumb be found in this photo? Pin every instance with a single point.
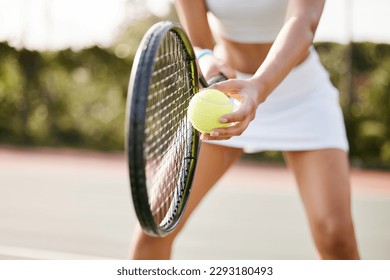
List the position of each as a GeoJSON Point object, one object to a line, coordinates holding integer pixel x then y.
{"type": "Point", "coordinates": [230, 87]}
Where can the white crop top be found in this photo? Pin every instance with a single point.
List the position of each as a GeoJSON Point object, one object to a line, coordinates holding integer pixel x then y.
{"type": "Point", "coordinates": [247, 21]}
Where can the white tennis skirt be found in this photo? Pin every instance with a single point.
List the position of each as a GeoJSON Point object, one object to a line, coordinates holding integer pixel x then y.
{"type": "Point", "coordinates": [302, 113]}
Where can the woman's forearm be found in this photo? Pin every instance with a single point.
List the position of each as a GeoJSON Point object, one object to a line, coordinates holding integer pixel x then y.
{"type": "Point", "coordinates": [193, 17]}
{"type": "Point", "coordinates": [290, 47]}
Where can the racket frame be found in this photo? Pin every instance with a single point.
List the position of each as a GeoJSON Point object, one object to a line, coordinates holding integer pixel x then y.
{"type": "Point", "coordinates": [135, 126]}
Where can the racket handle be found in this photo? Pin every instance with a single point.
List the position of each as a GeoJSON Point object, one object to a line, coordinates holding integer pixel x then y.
{"type": "Point", "coordinates": [213, 80]}
{"type": "Point", "coordinates": [216, 79]}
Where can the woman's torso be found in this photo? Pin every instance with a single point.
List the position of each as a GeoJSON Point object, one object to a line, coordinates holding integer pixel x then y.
{"type": "Point", "coordinates": [245, 29]}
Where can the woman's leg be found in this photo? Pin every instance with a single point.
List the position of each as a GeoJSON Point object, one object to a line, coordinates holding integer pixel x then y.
{"type": "Point", "coordinates": [213, 162]}
{"type": "Point", "coordinates": [323, 180]}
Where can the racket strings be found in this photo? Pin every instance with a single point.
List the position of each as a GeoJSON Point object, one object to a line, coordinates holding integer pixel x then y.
{"type": "Point", "coordinates": [166, 136]}
{"type": "Point", "coordinates": [170, 169]}
{"type": "Point", "coordinates": [160, 123]}
{"type": "Point", "coordinates": [166, 178]}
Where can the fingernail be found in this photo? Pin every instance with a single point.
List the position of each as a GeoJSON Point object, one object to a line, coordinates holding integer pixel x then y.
{"type": "Point", "coordinates": [223, 120]}
{"type": "Point", "coordinates": [214, 133]}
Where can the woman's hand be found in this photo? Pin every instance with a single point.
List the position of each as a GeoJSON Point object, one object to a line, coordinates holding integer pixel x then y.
{"type": "Point", "coordinates": [212, 66]}
{"type": "Point", "coordinates": [249, 95]}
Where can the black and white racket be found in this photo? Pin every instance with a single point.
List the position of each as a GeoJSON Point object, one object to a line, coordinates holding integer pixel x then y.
{"type": "Point", "coordinates": [161, 144]}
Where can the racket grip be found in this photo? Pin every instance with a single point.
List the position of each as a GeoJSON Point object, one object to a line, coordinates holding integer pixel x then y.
{"type": "Point", "coordinates": [216, 79]}
{"type": "Point", "coordinates": [213, 80]}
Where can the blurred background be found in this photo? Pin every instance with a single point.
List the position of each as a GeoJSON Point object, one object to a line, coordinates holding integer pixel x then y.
{"type": "Point", "coordinates": [64, 72]}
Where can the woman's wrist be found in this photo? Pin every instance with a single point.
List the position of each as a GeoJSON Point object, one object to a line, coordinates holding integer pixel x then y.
{"type": "Point", "coordinates": [261, 90]}
{"type": "Point", "coordinates": [203, 52]}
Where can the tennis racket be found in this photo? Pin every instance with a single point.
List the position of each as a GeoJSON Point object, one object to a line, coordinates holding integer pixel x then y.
{"type": "Point", "coordinates": [161, 144]}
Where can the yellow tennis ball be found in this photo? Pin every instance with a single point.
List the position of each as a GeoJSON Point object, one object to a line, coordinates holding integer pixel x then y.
{"type": "Point", "coordinates": [206, 108]}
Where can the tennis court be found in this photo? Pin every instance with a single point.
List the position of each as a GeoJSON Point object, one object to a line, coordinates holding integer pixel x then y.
{"type": "Point", "coordinates": [68, 204]}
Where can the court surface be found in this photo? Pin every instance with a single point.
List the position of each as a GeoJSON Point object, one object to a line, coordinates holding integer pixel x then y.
{"type": "Point", "coordinates": [69, 204]}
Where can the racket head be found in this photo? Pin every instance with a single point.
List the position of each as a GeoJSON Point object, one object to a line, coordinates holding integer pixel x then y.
{"type": "Point", "coordinates": [161, 144]}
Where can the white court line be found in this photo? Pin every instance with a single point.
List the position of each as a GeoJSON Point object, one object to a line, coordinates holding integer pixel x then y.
{"type": "Point", "coordinates": [38, 254]}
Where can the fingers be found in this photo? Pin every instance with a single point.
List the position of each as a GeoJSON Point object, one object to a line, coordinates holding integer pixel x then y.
{"type": "Point", "coordinates": [226, 133]}
{"type": "Point", "coordinates": [211, 66]}
{"type": "Point", "coordinates": [229, 72]}
{"type": "Point", "coordinates": [233, 88]}
{"type": "Point", "coordinates": [238, 121]}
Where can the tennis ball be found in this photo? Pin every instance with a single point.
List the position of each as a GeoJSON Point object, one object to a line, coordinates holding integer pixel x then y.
{"type": "Point", "coordinates": [206, 108]}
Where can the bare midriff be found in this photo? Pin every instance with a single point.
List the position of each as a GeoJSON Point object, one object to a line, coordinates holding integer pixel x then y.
{"type": "Point", "coordinates": [244, 57]}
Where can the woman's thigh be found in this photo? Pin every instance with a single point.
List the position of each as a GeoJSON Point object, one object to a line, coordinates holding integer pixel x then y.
{"type": "Point", "coordinates": [323, 181]}
{"type": "Point", "coordinates": [213, 162]}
